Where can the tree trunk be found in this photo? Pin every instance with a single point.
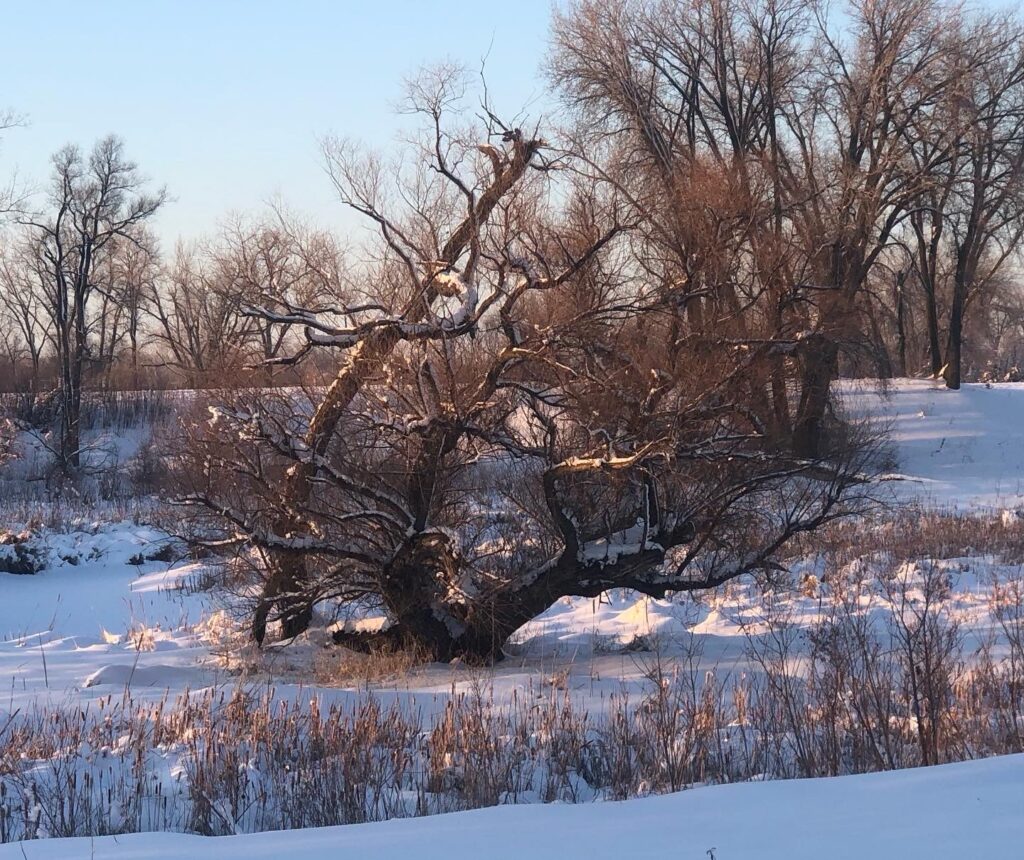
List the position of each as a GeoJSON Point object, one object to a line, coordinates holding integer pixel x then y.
{"type": "Point", "coordinates": [73, 417]}
{"type": "Point", "coordinates": [820, 366]}
{"type": "Point", "coordinates": [430, 620]}
{"type": "Point", "coordinates": [962, 280]}
{"type": "Point", "coordinates": [780, 399]}
{"type": "Point", "coordinates": [420, 587]}
{"type": "Point", "coordinates": [72, 360]}
{"type": "Point", "coordinates": [951, 373]}
{"type": "Point", "coordinates": [901, 324]}
{"type": "Point", "coordinates": [883, 360]}
{"type": "Point", "coordinates": [934, 350]}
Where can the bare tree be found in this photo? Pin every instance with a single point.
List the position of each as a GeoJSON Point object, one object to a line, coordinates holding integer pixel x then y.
{"type": "Point", "coordinates": [517, 417]}
{"type": "Point", "coordinates": [810, 158]}
{"type": "Point", "coordinates": [985, 213]}
{"type": "Point", "coordinates": [131, 270]}
{"type": "Point", "coordinates": [281, 261]}
{"type": "Point", "coordinates": [10, 195]}
{"type": "Point", "coordinates": [371, 329]}
{"type": "Point", "coordinates": [200, 305]}
{"type": "Point", "coordinates": [26, 324]}
{"type": "Point", "coordinates": [198, 325]}
{"type": "Point", "coordinates": [95, 201]}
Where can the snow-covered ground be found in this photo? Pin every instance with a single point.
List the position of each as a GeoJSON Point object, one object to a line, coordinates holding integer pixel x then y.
{"type": "Point", "coordinates": [96, 619]}
{"type": "Point", "coordinates": [959, 449]}
{"type": "Point", "coordinates": [104, 616]}
{"type": "Point", "coordinates": [951, 812]}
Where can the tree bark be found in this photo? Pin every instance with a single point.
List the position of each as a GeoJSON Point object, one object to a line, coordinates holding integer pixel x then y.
{"type": "Point", "coordinates": [934, 349]}
{"type": "Point", "coordinates": [901, 324]}
{"type": "Point", "coordinates": [820, 367]}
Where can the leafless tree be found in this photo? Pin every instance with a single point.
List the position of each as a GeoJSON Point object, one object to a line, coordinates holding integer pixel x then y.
{"type": "Point", "coordinates": [962, 225]}
{"type": "Point", "coordinates": [129, 283]}
{"type": "Point", "coordinates": [10, 194]}
{"type": "Point", "coordinates": [799, 120]}
{"type": "Point", "coordinates": [517, 416]}
{"type": "Point", "coordinates": [197, 321]}
{"type": "Point", "coordinates": [984, 213]}
{"type": "Point", "coordinates": [95, 202]}
{"type": "Point", "coordinates": [26, 324]}
{"type": "Point", "coordinates": [200, 304]}
{"type": "Point", "coordinates": [281, 261]}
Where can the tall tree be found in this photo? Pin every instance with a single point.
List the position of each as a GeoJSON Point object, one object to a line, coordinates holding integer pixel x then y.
{"type": "Point", "coordinates": [985, 213]}
{"type": "Point", "coordinates": [197, 320]}
{"type": "Point", "coordinates": [94, 201]}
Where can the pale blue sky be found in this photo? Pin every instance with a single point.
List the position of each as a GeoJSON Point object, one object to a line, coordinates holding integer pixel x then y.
{"type": "Point", "coordinates": [225, 101]}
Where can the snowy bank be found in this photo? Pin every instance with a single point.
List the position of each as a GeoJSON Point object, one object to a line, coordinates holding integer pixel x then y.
{"type": "Point", "coordinates": [956, 811]}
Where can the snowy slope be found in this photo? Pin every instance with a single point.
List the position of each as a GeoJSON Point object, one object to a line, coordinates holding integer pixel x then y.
{"type": "Point", "coordinates": [961, 811]}
{"type": "Point", "coordinates": [960, 449]}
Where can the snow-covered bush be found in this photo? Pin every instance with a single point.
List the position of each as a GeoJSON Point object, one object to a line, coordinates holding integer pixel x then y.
{"type": "Point", "coordinates": [22, 553]}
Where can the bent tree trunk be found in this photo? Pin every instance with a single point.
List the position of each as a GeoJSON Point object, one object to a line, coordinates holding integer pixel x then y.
{"type": "Point", "coordinates": [435, 620]}
{"type": "Point", "coordinates": [284, 591]}
{"type": "Point", "coordinates": [435, 613]}
{"type": "Point", "coordinates": [420, 589]}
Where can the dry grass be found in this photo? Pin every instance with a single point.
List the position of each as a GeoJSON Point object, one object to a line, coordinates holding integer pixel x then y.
{"type": "Point", "coordinates": [340, 667]}
{"type": "Point", "coordinates": [863, 699]}
{"type": "Point", "coordinates": [912, 533]}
